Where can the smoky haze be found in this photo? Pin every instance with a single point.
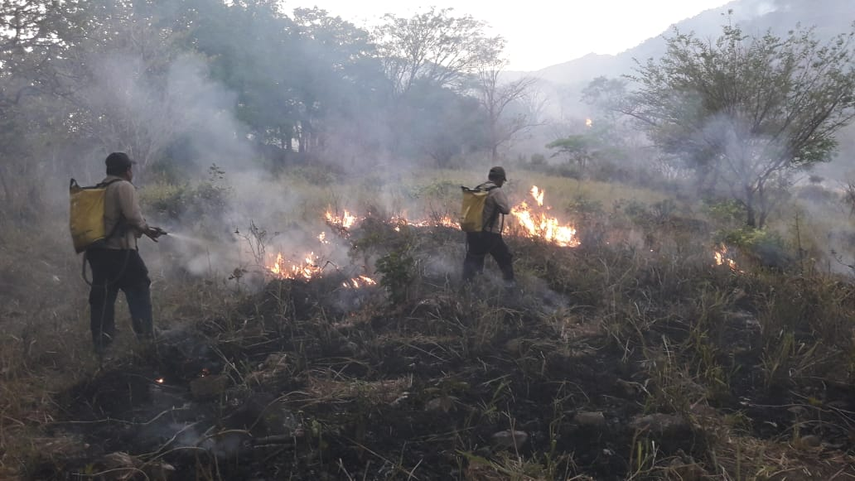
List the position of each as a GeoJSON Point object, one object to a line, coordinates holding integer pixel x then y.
{"type": "Point", "coordinates": [218, 103]}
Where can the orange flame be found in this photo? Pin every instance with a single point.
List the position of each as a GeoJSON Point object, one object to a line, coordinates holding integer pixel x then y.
{"type": "Point", "coordinates": [540, 225]}
{"type": "Point", "coordinates": [538, 195]}
{"type": "Point", "coordinates": [357, 282]}
{"type": "Point", "coordinates": [722, 258]}
{"type": "Point", "coordinates": [344, 221]}
{"type": "Point", "coordinates": [444, 221]}
{"type": "Point", "coordinates": [306, 269]}
{"type": "Point", "coordinates": [589, 123]}
{"type": "Point", "coordinates": [529, 222]}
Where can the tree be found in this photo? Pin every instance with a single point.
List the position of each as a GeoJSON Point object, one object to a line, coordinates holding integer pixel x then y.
{"type": "Point", "coordinates": [577, 148]}
{"type": "Point", "coordinates": [495, 98]}
{"type": "Point", "coordinates": [434, 47]}
{"type": "Point", "coordinates": [748, 110]}
{"type": "Point", "coordinates": [117, 78]}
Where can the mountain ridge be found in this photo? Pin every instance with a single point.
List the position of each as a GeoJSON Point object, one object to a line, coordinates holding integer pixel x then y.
{"type": "Point", "coordinates": [828, 17]}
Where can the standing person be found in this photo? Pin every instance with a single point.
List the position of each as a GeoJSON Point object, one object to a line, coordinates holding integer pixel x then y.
{"type": "Point", "coordinates": [116, 262]}
{"type": "Point", "coordinates": [489, 240]}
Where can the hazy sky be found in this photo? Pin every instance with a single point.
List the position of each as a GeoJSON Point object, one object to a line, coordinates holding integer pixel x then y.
{"type": "Point", "coordinates": [541, 33]}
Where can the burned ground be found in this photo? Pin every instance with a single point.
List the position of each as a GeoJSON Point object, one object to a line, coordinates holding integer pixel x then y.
{"type": "Point", "coordinates": [607, 362]}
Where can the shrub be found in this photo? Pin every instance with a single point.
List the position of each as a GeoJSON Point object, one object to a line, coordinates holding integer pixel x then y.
{"type": "Point", "coordinates": [397, 269]}
{"type": "Point", "coordinates": [726, 212]}
{"type": "Point", "coordinates": [174, 202]}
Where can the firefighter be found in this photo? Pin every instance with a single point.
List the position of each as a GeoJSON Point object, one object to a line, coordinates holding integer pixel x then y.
{"type": "Point", "coordinates": [116, 263]}
{"type": "Point", "coordinates": [489, 240]}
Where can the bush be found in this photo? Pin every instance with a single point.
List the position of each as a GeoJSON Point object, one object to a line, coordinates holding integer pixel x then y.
{"type": "Point", "coordinates": [397, 269]}
{"type": "Point", "coordinates": [173, 202]}
{"type": "Point", "coordinates": [766, 247]}
{"type": "Point", "coordinates": [726, 212]}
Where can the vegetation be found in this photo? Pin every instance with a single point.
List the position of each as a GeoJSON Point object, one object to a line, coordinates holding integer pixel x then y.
{"type": "Point", "coordinates": [743, 112]}
{"type": "Point", "coordinates": [313, 322]}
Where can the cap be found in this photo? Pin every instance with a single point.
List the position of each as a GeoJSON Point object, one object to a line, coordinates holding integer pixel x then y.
{"type": "Point", "coordinates": [119, 162]}
{"type": "Point", "coordinates": [497, 173]}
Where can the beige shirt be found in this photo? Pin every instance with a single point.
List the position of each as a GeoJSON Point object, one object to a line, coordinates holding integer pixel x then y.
{"type": "Point", "coordinates": [495, 207]}
{"type": "Point", "coordinates": [122, 213]}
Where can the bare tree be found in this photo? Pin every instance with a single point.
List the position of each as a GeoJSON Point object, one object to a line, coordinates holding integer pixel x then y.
{"type": "Point", "coordinates": [496, 98]}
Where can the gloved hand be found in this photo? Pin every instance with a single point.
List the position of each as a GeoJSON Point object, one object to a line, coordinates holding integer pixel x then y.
{"type": "Point", "coordinates": [154, 232]}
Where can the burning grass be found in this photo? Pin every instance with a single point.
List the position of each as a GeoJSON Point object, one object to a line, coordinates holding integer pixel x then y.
{"type": "Point", "coordinates": [612, 363]}
{"type": "Point", "coordinates": [625, 353]}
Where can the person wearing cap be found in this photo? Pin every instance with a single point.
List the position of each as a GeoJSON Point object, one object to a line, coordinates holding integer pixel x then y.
{"type": "Point", "coordinates": [489, 240]}
{"type": "Point", "coordinates": [116, 263]}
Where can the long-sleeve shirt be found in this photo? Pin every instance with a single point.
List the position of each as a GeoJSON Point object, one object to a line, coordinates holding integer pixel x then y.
{"type": "Point", "coordinates": [495, 208]}
{"type": "Point", "coordinates": [122, 215]}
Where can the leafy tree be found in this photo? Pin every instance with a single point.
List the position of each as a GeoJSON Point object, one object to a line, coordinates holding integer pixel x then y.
{"type": "Point", "coordinates": [747, 111]}
{"type": "Point", "coordinates": [578, 149]}
{"type": "Point", "coordinates": [436, 47]}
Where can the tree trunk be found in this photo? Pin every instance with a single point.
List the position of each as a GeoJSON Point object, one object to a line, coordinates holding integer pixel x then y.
{"type": "Point", "coordinates": [751, 221]}
{"type": "Point", "coordinates": [751, 212]}
{"type": "Point", "coordinates": [762, 221]}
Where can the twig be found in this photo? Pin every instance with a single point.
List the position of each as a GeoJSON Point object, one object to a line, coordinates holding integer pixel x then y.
{"type": "Point", "coordinates": [114, 470]}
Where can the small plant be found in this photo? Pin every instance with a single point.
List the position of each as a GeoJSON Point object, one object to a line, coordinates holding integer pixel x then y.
{"type": "Point", "coordinates": [398, 270]}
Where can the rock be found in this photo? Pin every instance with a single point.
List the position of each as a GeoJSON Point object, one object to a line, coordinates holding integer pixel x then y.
{"type": "Point", "coordinates": [509, 439]}
{"type": "Point", "coordinates": [660, 424]}
{"type": "Point", "coordinates": [208, 387]}
{"type": "Point", "coordinates": [590, 419]}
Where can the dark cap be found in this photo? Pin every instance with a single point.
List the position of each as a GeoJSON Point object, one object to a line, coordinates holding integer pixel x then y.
{"type": "Point", "coordinates": [497, 173]}
{"type": "Point", "coordinates": [119, 162]}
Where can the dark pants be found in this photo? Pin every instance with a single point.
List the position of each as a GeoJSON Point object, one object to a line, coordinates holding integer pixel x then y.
{"type": "Point", "coordinates": [479, 245]}
{"type": "Point", "coordinates": [113, 270]}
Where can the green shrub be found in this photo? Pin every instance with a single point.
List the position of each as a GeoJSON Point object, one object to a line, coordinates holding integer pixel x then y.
{"type": "Point", "coordinates": [726, 212]}
{"type": "Point", "coordinates": [177, 201]}
{"type": "Point", "coordinates": [397, 269]}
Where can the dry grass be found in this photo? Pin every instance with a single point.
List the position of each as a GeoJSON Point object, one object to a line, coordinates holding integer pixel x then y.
{"type": "Point", "coordinates": [631, 325]}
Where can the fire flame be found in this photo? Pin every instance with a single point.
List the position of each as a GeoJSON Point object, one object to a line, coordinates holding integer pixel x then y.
{"type": "Point", "coordinates": [306, 269]}
{"type": "Point", "coordinates": [537, 194]}
{"type": "Point", "coordinates": [589, 123]}
{"type": "Point", "coordinates": [357, 282]}
{"type": "Point", "coordinates": [528, 221]}
{"type": "Point", "coordinates": [344, 221]}
{"type": "Point", "coordinates": [722, 258]}
{"type": "Point", "coordinates": [444, 221]}
{"type": "Point", "coordinates": [159, 380]}
{"type": "Point", "coordinates": [536, 224]}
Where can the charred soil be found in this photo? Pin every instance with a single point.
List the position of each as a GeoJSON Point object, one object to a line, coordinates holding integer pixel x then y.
{"type": "Point", "coordinates": [602, 364]}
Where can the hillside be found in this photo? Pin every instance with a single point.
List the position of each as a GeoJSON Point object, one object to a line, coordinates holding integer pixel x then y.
{"type": "Point", "coordinates": [754, 16]}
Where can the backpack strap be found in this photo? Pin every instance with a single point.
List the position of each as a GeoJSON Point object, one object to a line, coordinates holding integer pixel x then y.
{"type": "Point", "coordinates": [120, 223]}
{"type": "Point", "coordinates": [105, 184]}
{"type": "Point", "coordinates": [492, 221]}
